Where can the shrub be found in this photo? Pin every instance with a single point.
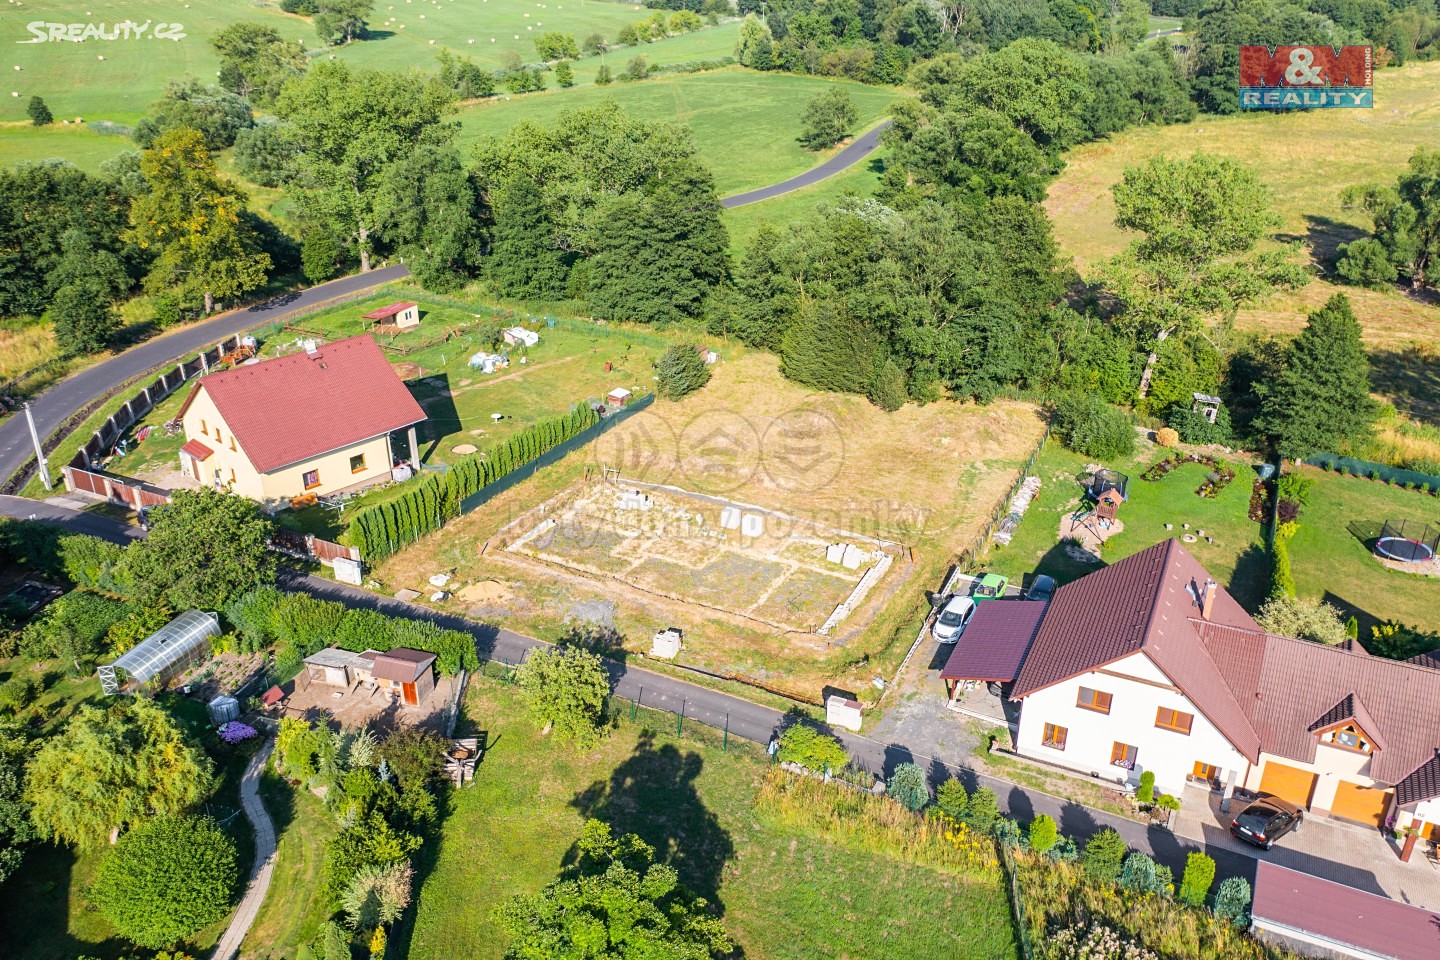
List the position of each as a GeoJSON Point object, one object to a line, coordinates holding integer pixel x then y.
{"type": "Point", "coordinates": [1199, 874]}
{"type": "Point", "coordinates": [1295, 488]}
{"type": "Point", "coordinates": [1167, 437]}
{"type": "Point", "coordinates": [1090, 426]}
{"type": "Point", "coordinates": [18, 692]}
{"type": "Point", "coordinates": [909, 787]}
{"type": "Point", "coordinates": [1142, 874]}
{"type": "Point", "coordinates": [1193, 427]}
{"type": "Point", "coordinates": [377, 894]}
{"type": "Point", "coordinates": [1282, 580]}
{"type": "Point", "coordinates": [38, 112]}
{"type": "Point", "coordinates": [952, 799]}
{"type": "Point", "coordinates": [1302, 617]}
{"type": "Point", "coordinates": [1146, 792]}
{"type": "Point", "coordinates": [803, 744]}
{"type": "Point", "coordinates": [1103, 855]}
{"type": "Point", "coordinates": [1232, 901]}
{"type": "Point", "coordinates": [1043, 833]}
{"type": "Point", "coordinates": [567, 691]}
{"type": "Point", "coordinates": [167, 880]}
{"type": "Point", "coordinates": [680, 371]}
{"type": "Point", "coordinates": [984, 810]}
{"type": "Point", "coordinates": [1097, 941]}
{"type": "Point", "coordinates": [1167, 802]}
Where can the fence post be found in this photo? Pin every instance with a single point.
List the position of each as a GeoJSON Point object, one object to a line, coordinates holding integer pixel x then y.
{"type": "Point", "coordinates": [680, 718]}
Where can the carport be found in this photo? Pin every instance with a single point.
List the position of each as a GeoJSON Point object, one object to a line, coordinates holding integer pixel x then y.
{"type": "Point", "coordinates": [988, 655]}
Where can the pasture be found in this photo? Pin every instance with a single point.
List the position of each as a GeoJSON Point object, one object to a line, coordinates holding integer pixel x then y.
{"type": "Point", "coordinates": [118, 79]}
{"type": "Point", "coordinates": [1306, 159]}
{"type": "Point", "coordinates": [745, 123]}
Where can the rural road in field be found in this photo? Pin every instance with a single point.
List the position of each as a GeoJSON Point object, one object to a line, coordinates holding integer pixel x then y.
{"type": "Point", "coordinates": [722, 711]}
{"type": "Point", "coordinates": [68, 396]}
{"type": "Point", "coordinates": [861, 148]}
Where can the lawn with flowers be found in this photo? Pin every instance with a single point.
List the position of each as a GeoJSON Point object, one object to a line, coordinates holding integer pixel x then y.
{"type": "Point", "coordinates": [784, 889]}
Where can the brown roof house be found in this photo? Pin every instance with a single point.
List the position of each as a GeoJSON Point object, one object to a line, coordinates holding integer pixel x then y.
{"type": "Point", "coordinates": [1149, 664]}
{"type": "Point", "coordinates": [316, 422]}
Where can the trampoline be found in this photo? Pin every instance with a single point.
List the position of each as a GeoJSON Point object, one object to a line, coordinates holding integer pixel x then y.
{"type": "Point", "coordinates": [1406, 541]}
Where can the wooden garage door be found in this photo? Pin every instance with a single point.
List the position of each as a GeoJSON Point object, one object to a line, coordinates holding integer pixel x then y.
{"type": "Point", "coordinates": [1359, 803]}
{"type": "Point", "coordinates": [1288, 783]}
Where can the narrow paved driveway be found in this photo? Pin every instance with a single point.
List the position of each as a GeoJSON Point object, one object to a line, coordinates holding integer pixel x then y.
{"type": "Point", "coordinates": [740, 717]}
{"type": "Point", "coordinates": [264, 865]}
{"type": "Point", "coordinates": [53, 406]}
{"type": "Point", "coordinates": [858, 150]}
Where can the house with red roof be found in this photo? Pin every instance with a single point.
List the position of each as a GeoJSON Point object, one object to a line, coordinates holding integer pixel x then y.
{"type": "Point", "coordinates": [317, 422]}
{"type": "Point", "coordinates": [1150, 665]}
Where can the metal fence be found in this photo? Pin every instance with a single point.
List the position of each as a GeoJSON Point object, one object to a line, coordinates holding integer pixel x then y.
{"type": "Point", "coordinates": [1376, 471]}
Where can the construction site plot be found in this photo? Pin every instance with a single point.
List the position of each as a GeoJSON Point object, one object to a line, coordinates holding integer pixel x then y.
{"type": "Point", "coordinates": [780, 571]}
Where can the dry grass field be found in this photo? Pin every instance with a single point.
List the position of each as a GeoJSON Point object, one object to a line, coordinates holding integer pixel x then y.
{"type": "Point", "coordinates": [1306, 159]}
{"type": "Point", "coordinates": [923, 477]}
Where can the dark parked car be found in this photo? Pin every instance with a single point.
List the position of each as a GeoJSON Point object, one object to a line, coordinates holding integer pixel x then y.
{"type": "Point", "coordinates": [1041, 588]}
{"type": "Point", "coordinates": [1265, 821]}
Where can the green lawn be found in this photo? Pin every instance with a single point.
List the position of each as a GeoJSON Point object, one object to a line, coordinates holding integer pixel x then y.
{"type": "Point", "coordinates": [745, 123]}
{"type": "Point", "coordinates": [81, 145]}
{"type": "Point", "coordinates": [1330, 554]}
{"type": "Point", "coordinates": [783, 894]}
{"type": "Point", "coordinates": [744, 222]}
{"type": "Point", "coordinates": [1235, 558]}
{"type": "Point", "coordinates": [292, 913]}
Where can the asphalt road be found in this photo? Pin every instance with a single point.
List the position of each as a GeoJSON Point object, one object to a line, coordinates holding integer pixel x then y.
{"type": "Point", "coordinates": [53, 406]}
{"type": "Point", "coordinates": [851, 155]}
{"type": "Point", "coordinates": [740, 717]}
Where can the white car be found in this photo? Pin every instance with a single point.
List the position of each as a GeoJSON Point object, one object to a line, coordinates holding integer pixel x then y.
{"type": "Point", "coordinates": [953, 618]}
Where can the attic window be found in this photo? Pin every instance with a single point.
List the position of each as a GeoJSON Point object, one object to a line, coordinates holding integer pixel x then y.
{"type": "Point", "coordinates": [1348, 737]}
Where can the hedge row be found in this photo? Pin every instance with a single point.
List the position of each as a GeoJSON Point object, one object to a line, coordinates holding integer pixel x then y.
{"type": "Point", "coordinates": [435, 500]}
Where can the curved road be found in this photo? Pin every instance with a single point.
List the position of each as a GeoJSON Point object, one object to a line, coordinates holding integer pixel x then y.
{"type": "Point", "coordinates": [861, 148]}
{"type": "Point", "coordinates": [264, 865]}
{"type": "Point", "coordinates": [68, 396]}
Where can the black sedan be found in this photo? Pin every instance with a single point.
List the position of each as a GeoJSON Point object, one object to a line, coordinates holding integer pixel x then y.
{"type": "Point", "coordinates": [1265, 821]}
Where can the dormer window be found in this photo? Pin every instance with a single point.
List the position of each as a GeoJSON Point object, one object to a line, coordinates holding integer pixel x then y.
{"type": "Point", "coordinates": [1347, 737]}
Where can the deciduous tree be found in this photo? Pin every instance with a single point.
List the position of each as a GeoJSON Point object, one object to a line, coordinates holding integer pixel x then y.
{"type": "Point", "coordinates": [38, 112]}
{"type": "Point", "coordinates": [566, 689]}
{"type": "Point", "coordinates": [194, 219]}
{"type": "Point", "coordinates": [256, 62]}
{"type": "Point", "coordinates": [114, 769]}
{"type": "Point", "coordinates": [615, 903]}
{"type": "Point", "coordinates": [828, 118]}
{"type": "Point", "coordinates": [429, 212]}
{"type": "Point", "coordinates": [350, 126]}
{"type": "Point", "coordinates": [204, 547]}
{"type": "Point", "coordinates": [167, 880]}
{"type": "Point", "coordinates": [1407, 227]}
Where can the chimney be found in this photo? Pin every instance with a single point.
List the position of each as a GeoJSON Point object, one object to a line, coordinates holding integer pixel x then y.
{"type": "Point", "coordinates": [1207, 598]}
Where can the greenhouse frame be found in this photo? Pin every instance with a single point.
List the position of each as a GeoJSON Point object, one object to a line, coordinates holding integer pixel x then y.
{"type": "Point", "coordinates": [165, 654]}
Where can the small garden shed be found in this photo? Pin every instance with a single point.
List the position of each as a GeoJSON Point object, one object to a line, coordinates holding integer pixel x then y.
{"type": "Point", "coordinates": [408, 673]}
{"type": "Point", "coordinates": [165, 654]}
{"type": "Point", "coordinates": [401, 315]}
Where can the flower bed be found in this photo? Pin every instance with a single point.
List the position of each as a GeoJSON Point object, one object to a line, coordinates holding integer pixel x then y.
{"type": "Point", "coordinates": [1221, 473]}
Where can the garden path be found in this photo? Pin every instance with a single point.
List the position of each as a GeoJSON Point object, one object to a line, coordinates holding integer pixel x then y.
{"type": "Point", "coordinates": [259, 885]}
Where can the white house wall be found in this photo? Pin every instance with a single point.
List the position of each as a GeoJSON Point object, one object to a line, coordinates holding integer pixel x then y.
{"type": "Point", "coordinates": [1171, 756]}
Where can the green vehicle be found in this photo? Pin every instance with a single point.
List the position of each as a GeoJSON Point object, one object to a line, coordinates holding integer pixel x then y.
{"type": "Point", "coordinates": [991, 586]}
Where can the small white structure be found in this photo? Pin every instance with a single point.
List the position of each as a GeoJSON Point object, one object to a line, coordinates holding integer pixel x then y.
{"type": "Point", "coordinates": [730, 518]}
{"type": "Point", "coordinates": [752, 525]}
{"type": "Point", "coordinates": [842, 712]}
{"type": "Point", "coordinates": [439, 579]}
{"type": "Point", "coordinates": [634, 500]}
{"type": "Point", "coordinates": [666, 645]}
{"type": "Point", "coordinates": [853, 557]}
{"type": "Point", "coordinates": [488, 362]}
{"type": "Point", "coordinates": [618, 397]}
{"type": "Point", "coordinates": [347, 570]}
{"type": "Point", "coordinates": [223, 709]}
{"type": "Point", "coordinates": [520, 335]}
{"type": "Point", "coordinates": [835, 553]}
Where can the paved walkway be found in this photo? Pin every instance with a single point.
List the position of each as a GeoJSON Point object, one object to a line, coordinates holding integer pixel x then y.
{"type": "Point", "coordinates": [229, 945]}
{"type": "Point", "coordinates": [862, 147]}
{"type": "Point", "coordinates": [71, 395]}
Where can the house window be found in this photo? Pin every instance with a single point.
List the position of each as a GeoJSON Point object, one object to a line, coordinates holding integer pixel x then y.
{"type": "Point", "coordinates": [357, 463]}
{"type": "Point", "coordinates": [1096, 700]}
{"type": "Point", "coordinates": [1350, 737]}
{"type": "Point", "coordinates": [1205, 771]}
{"type": "Point", "coordinates": [311, 479]}
{"type": "Point", "coordinates": [1123, 755]}
{"type": "Point", "coordinates": [1054, 737]}
{"type": "Point", "coordinates": [1167, 719]}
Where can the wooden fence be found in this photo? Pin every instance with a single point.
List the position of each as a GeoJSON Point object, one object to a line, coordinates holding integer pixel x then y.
{"type": "Point", "coordinates": [128, 493]}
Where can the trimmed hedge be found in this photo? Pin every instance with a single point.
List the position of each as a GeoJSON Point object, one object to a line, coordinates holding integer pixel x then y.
{"type": "Point", "coordinates": [435, 500]}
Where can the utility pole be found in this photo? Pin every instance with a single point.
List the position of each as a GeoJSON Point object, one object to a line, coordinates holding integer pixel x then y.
{"type": "Point", "coordinates": [40, 463]}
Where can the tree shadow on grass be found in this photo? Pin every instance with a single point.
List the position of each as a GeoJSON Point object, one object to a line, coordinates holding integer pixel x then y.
{"type": "Point", "coordinates": [1325, 236]}
{"type": "Point", "coordinates": [424, 862]}
{"type": "Point", "coordinates": [1251, 581]}
{"type": "Point", "coordinates": [1410, 379]}
{"type": "Point", "coordinates": [653, 794]}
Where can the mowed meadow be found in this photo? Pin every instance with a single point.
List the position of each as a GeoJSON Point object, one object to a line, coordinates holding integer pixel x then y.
{"type": "Point", "coordinates": [1306, 159]}
{"type": "Point", "coordinates": [118, 79]}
